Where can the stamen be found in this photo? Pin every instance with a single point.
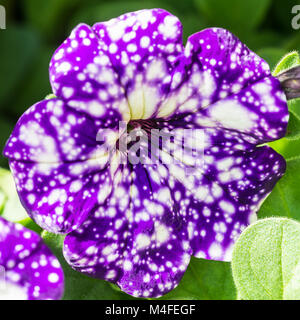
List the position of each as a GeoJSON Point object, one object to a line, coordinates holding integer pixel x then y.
{"type": "Point", "coordinates": [145, 124]}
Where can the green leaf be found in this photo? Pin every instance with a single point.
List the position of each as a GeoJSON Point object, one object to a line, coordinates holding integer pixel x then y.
{"type": "Point", "coordinates": [235, 15]}
{"type": "Point", "coordinates": [289, 61]}
{"type": "Point", "coordinates": [50, 96]}
{"type": "Point", "coordinates": [12, 209]}
{"type": "Point", "coordinates": [205, 280]}
{"type": "Point", "coordinates": [30, 224]}
{"type": "Point", "coordinates": [2, 201]}
{"type": "Point", "coordinates": [289, 147]}
{"type": "Point", "coordinates": [266, 261]}
{"type": "Point", "coordinates": [77, 285]}
{"type": "Point", "coordinates": [293, 130]}
{"type": "Point", "coordinates": [294, 106]}
{"type": "Point", "coordinates": [285, 197]}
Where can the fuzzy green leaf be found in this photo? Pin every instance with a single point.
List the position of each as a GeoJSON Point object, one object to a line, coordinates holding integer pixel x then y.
{"type": "Point", "coordinates": [12, 209]}
{"type": "Point", "coordinates": [266, 261]}
{"type": "Point", "coordinates": [289, 61]}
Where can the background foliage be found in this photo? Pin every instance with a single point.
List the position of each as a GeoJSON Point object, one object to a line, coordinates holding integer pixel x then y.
{"type": "Point", "coordinates": [34, 30]}
{"type": "Point", "coordinates": [266, 260]}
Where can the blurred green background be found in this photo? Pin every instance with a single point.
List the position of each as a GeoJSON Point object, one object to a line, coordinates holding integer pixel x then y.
{"type": "Point", "coordinates": [35, 28]}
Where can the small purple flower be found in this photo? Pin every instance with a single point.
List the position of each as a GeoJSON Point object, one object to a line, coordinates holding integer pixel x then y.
{"type": "Point", "coordinates": [29, 271]}
{"type": "Point", "coordinates": [137, 225]}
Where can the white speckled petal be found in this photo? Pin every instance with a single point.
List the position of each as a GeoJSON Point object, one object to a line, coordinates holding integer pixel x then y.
{"type": "Point", "coordinates": [59, 197]}
{"type": "Point", "coordinates": [52, 132]}
{"type": "Point", "coordinates": [59, 167]}
{"type": "Point", "coordinates": [143, 47]}
{"type": "Point", "coordinates": [32, 272]}
{"type": "Point", "coordinates": [131, 240]}
{"type": "Point", "coordinates": [82, 75]}
{"type": "Point", "coordinates": [260, 111]}
{"type": "Point", "coordinates": [138, 224]}
{"type": "Point", "coordinates": [215, 65]}
{"type": "Point", "coordinates": [221, 194]}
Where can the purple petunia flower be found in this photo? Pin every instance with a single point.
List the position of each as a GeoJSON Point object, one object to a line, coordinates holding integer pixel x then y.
{"type": "Point", "coordinates": [137, 225]}
{"type": "Point", "coordinates": [29, 271]}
